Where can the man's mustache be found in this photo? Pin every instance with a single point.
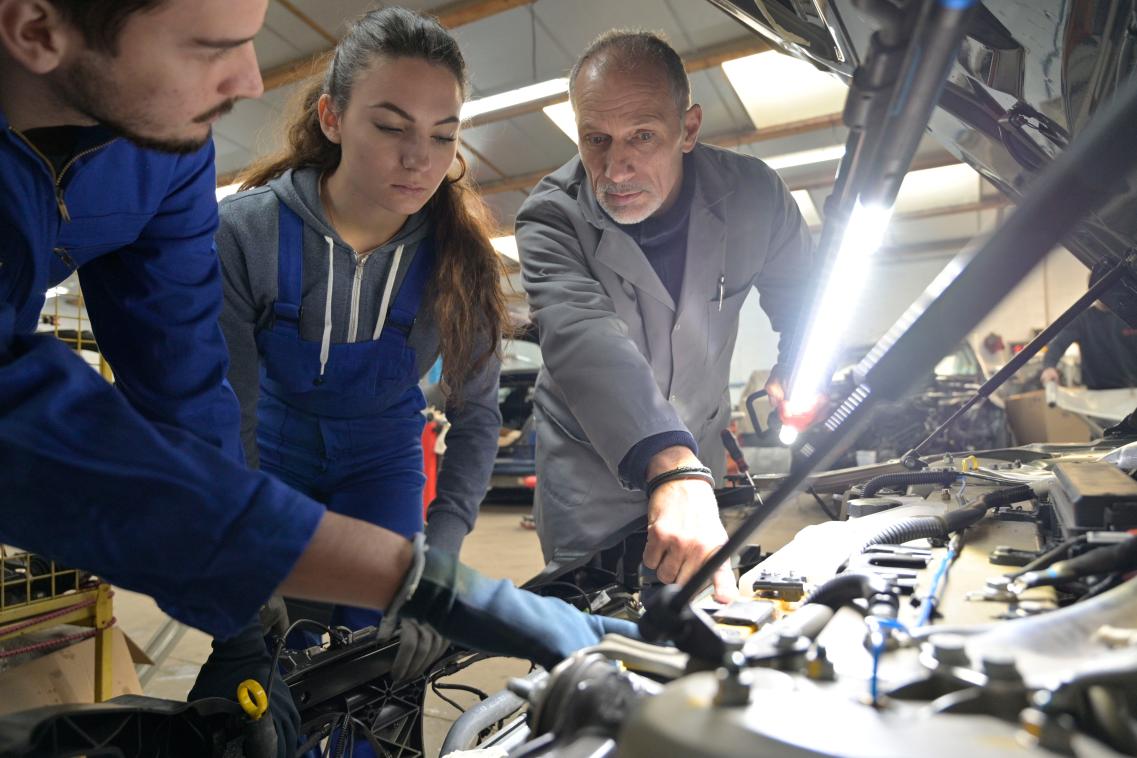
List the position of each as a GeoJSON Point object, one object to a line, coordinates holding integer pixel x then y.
{"type": "Point", "coordinates": [220, 110]}
{"type": "Point", "coordinates": [621, 189]}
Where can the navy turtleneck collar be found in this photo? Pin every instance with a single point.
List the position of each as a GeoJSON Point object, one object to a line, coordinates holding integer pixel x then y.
{"type": "Point", "coordinates": [663, 238]}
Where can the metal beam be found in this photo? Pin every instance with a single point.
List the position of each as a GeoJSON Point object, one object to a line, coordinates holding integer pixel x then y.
{"type": "Point", "coordinates": [457, 13]}
{"type": "Point", "coordinates": [307, 20]}
{"type": "Point", "coordinates": [729, 139]}
{"type": "Point", "coordinates": [821, 179]}
{"type": "Point", "coordinates": [950, 247]}
{"type": "Point", "coordinates": [464, 12]}
{"type": "Point", "coordinates": [697, 60]}
{"type": "Point", "coordinates": [991, 203]}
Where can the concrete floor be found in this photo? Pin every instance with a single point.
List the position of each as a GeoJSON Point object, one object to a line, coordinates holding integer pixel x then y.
{"type": "Point", "coordinates": [498, 547]}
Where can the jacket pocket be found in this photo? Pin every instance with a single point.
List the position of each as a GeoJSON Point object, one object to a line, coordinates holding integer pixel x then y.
{"type": "Point", "coordinates": [722, 322]}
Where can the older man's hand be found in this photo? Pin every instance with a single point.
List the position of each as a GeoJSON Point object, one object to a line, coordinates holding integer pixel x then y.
{"type": "Point", "coordinates": [684, 528]}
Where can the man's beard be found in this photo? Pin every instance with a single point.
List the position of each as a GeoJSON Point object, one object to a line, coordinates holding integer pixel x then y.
{"type": "Point", "coordinates": [85, 89]}
{"type": "Point", "coordinates": [623, 214]}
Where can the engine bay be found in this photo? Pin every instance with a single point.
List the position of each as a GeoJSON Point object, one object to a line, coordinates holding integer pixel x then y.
{"type": "Point", "coordinates": [991, 611]}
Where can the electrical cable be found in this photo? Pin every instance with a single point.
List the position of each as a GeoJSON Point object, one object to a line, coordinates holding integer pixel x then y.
{"type": "Point", "coordinates": [1119, 557]}
{"type": "Point", "coordinates": [908, 478]}
{"type": "Point", "coordinates": [436, 687]}
{"type": "Point", "coordinates": [280, 649]}
{"type": "Point", "coordinates": [1049, 556]}
{"type": "Point", "coordinates": [877, 627]}
{"type": "Point", "coordinates": [931, 600]}
{"type": "Point", "coordinates": [561, 583]}
{"type": "Point", "coordinates": [482, 694]}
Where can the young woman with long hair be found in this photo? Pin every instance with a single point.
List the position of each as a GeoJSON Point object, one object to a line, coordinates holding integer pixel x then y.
{"type": "Point", "coordinates": [351, 262]}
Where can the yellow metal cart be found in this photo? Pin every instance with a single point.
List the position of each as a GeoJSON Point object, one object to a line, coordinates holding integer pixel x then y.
{"type": "Point", "coordinates": [37, 594]}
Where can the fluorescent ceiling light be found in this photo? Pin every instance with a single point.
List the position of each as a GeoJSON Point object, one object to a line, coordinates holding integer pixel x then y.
{"type": "Point", "coordinates": [563, 116]}
{"type": "Point", "coordinates": [777, 89]}
{"type": "Point", "coordinates": [514, 97]}
{"type": "Point", "coordinates": [805, 157]}
{"type": "Point", "coordinates": [506, 246]}
{"type": "Point", "coordinates": [957, 184]}
{"type": "Point", "coordinates": [55, 292]}
{"type": "Point", "coordinates": [806, 206]}
{"type": "Point", "coordinates": [831, 311]}
{"type": "Point", "coordinates": [226, 191]}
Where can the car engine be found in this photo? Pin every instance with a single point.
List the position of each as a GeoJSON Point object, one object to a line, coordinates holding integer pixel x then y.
{"type": "Point", "coordinates": [982, 606]}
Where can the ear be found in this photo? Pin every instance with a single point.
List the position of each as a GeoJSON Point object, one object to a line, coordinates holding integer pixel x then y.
{"type": "Point", "coordinates": [692, 122]}
{"type": "Point", "coordinates": [34, 34]}
{"type": "Point", "coordinates": [329, 119]}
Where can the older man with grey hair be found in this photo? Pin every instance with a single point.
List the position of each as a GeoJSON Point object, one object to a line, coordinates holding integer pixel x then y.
{"type": "Point", "coordinates": [637, 256]}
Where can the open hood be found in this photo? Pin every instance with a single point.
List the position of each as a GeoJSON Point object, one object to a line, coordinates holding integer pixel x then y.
{"type": "Point", "coordinates": [1029, 76]}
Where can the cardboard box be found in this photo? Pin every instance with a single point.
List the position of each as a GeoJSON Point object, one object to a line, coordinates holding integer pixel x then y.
{"type": "Point", "coordinates": [68, 676]}
{"type": "Point", "coordinates": [1032, 420]}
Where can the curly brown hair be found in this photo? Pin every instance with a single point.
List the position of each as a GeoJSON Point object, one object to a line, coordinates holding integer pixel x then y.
{"type": "Point", "coordinates": [465, 290]}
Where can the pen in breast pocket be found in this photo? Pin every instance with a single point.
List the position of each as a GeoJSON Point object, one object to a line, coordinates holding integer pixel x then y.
{"type": "Point", "coordinates": [722, 289]}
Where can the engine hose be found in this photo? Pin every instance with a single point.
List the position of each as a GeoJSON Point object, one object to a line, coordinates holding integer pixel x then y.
{"type": "Point", "coordinates": [965, 517]}
{"type": "Point", "coordinates": [907, 478]}
{"type": "Point", "coordinates": [1102, 560]}
{"type": "Point", "coordinates": [844, 588]}
{"type": "Point", "coordinates": [919, 527]}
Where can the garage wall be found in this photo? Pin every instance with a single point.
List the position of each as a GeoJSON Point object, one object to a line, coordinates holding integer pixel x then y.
{"type": "Point", "coordinates": [1046, 292]}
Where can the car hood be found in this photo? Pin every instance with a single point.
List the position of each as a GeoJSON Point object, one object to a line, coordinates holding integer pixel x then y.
{"type": "Point", "coordinates": [1029, 77]}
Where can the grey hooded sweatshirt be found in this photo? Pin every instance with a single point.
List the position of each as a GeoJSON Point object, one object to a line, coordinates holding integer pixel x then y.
{"type": "Point", "coordinates": [247, 245]}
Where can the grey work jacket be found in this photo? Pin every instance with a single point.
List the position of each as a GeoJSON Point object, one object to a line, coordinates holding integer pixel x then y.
{"type": "Point", "coordinates": [622, 360]}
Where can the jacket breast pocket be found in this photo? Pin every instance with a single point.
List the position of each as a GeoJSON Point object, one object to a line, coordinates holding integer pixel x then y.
{"type": "Point", "coordinates": [722, 323]}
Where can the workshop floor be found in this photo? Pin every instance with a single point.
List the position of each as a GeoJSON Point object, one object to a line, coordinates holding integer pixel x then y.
{"type": "Point", "coordinates": [498, 546]}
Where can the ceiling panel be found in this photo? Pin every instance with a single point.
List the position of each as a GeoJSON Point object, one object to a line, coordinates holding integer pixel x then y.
{"type": "Point", "coordinates": [500, 56]}
{"type": "Point", "coordinates": [499, 51]}
{"type": "Point", "coordinates": [778, 89]}
{"type": "Point", "coordinates": [523, 144]}
{"type": "Point", "coordinates": [722, 112]}
{"type": "Point", "coordinates": [700, 25]}
{"type": "Point", "coordinates": [284, 38]}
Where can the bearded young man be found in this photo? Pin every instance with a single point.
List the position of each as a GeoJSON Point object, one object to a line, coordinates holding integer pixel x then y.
{"type": "Point", "coordinates": [106, 167]}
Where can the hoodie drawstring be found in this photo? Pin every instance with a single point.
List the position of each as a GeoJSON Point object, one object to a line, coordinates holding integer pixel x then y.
{"type": "Point", "coordinates": [385, 303]}
{"type": "Point", "coordinates": [326, 337]}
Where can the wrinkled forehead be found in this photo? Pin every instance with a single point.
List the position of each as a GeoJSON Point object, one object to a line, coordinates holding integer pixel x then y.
{"type": "Point", "coordinates": [607, 93]}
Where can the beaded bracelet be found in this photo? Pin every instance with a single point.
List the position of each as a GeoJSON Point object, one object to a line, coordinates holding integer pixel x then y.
{"type": "Point", "coordinates": [681, 472]}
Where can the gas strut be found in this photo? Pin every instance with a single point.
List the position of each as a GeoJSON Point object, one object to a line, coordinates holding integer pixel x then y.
{"type": "Point", "coordinates": [1083, 178]}
{"type": "Point", "coordinates": [912, 460]}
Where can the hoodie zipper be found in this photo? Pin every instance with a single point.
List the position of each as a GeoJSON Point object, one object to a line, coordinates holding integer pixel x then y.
{"type": "Point", "coordinates": [356, 287]}
{"type": "Point", "coordinates": [57, 179]}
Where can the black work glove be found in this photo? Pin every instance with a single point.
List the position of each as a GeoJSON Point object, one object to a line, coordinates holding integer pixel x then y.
{"type": "Point", "coordinates": [419, 647]}
{"type": "Point", "coordinates": [494, 616]}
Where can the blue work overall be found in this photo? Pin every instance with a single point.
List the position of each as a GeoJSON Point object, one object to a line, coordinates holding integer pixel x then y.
{"type": "Point", "coordinates": [343, 423]}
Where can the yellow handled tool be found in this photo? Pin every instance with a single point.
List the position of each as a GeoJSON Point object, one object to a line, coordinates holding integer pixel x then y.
{"type": "Point", "coordinates": [251, 695]}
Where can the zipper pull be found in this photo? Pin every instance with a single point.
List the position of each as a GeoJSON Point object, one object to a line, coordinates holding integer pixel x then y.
{"type": "Point", "coordinates": [722, 290]}
{"type": "Point", "coordinates": [62, 204]}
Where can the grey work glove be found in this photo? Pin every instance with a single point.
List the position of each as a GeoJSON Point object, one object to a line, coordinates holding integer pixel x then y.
{"type": "Point", "coordinates": [494, 616]}
{"type": "Point", "coordinates": [419, 646]}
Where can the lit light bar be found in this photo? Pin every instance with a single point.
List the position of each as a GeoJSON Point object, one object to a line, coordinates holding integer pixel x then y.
{"type": "Point", "coordinates": [846, 280]}
{"type": "Point", "coordinates": [805, 157]}
{"type": "Point", "coordinates": [563, 116]}
{"type": "Point", "coordinates": [503, 100]}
